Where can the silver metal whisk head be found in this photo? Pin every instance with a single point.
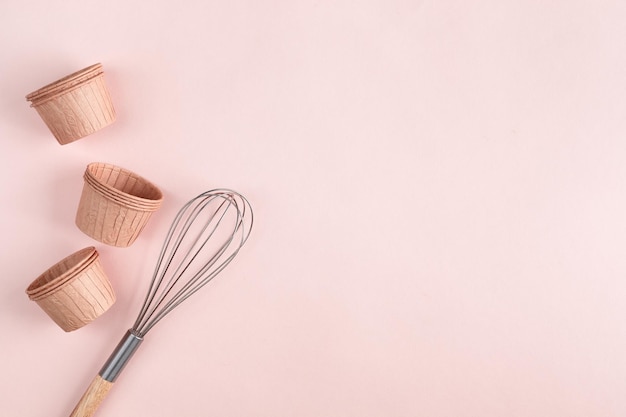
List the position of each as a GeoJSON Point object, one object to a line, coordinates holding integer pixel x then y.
{"type": "Point", "coordinates": [203, 239]}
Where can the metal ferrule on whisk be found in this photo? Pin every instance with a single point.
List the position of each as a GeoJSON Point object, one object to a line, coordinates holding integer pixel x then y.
{"type": "Point", "coordinates": [120, 356]}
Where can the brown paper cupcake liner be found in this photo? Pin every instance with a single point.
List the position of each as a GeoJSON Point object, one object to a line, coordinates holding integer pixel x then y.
{"type": "Point", "coordinates": [62, 272]}
{"type": "Point", "coordinates": [76, 107]}
{"type": "Point", "coordinates": [84, 295]}
{"type": "Point", "coordinates": [66, 81]}
{"type": "Point", "coordinates": [124, 184]}
{"type": "Point", "coordinates": [123, 198]}
{"type": "Point", "coordinates": [108, 221]}
{"type": "Point", "coordinates": [55, 93]}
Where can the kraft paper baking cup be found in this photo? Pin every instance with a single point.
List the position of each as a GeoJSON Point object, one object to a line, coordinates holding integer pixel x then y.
{"type": "Point", "coordinates": [75, 106]}
{"type": "Point", "coordinates": [77, 290]}
{"type": "Point", "coordinates": [115, 204]}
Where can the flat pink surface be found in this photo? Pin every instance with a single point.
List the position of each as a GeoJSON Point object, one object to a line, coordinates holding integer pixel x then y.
{"type": "Point", "coordinates": [439, 190]}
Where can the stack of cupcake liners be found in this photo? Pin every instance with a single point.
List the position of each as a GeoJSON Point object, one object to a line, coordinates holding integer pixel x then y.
{"type": "Point", "coordinates": [115, 204]}
{"type": "Point", "coordinates": [75, 106]}
{"type": "Point", "coordinates": [74, 291]}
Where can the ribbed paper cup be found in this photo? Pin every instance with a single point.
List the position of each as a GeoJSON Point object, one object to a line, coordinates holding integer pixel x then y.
{"type": "Point", "coordinates": [115, 204]}
{"type": "Point", "coordinates": [124, 185]}
{"type": "Point", "coordinates": [121, 197]}
{"type": "Point", "coordinates": [80, 290]}
{"type": "Point", "coordinates": [64, 89]}
{"type": "Point", "coordinates": [75, 106]}
{"type": "Point", "coordinates": [62, 272]}
{"type": "Point", "coordinates": [66, 82]}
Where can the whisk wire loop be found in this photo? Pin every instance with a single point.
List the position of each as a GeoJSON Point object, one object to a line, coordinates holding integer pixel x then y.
{"type": "Point", "coordinates": [203, 239]}
{"type": "Point", "coordinates": [183, 263]}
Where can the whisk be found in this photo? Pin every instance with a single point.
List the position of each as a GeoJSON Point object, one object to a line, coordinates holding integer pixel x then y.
{"type": "Point", "coordinates": [203, 239]}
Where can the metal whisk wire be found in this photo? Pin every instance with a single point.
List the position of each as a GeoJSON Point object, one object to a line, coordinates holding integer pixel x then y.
{"type": "Point", "coordinates": [194, 251]}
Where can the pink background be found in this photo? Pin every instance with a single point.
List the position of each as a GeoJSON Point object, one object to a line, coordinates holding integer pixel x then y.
{"type": "Point", "coordinates": [439, 190]}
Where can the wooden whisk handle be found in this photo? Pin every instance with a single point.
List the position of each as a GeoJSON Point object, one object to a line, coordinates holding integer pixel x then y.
{"type": "Point", "coordinates": [102, 383]}
{"type": "Point", "coordinates": [92, 398]}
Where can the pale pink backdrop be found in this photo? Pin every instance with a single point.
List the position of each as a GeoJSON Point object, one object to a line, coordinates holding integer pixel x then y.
{"type": "Point", "coordinates": [439, 190]}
